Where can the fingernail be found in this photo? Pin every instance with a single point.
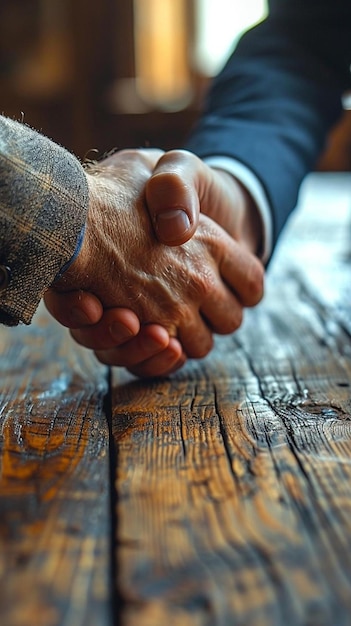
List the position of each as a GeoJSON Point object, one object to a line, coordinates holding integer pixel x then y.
{"type": "Point", "coordinates": [119, 332]}
{"type": "Point", "coordinates": [79, 317]}
{"type": "Point", "coordinates": [172, 224]}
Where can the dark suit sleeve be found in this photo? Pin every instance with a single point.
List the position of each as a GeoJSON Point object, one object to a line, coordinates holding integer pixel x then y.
{"type": "Point", "coordinates": [279, 95]}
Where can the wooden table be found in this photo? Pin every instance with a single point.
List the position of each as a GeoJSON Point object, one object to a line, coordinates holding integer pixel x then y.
{"type": "Point", "coordinates": [219, 497]}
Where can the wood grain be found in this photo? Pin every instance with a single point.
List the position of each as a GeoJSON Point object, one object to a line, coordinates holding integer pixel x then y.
{"type": "Point", "coordinates": [54, 481]}
{"type": "Point", "coordinates": [234, 476]}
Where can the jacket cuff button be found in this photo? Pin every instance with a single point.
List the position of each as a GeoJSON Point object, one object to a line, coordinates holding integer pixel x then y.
{"type": "Point", "coordinates": [5, 277]}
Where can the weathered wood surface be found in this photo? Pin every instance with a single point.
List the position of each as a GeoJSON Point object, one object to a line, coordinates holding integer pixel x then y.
{"type": "Point", "coordinates": [234, 477]}
{"type": "Point", "coordinates": [54, 481]}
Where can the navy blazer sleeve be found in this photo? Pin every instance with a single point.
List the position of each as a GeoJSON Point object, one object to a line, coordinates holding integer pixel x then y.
{"type": "Point", "coordinates": [278, 96]}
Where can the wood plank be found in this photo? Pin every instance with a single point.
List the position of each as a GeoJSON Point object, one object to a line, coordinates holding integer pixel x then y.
{"type": "Point", "coordinates": [234, 476]}
{"type": "Point", "coordinates": [54, 481]}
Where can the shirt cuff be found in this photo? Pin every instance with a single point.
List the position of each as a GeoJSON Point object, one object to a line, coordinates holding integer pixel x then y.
{"type": "Point", "coordinates": [74, 256]}
{"type": "Point", "coordinates": [252, 184]}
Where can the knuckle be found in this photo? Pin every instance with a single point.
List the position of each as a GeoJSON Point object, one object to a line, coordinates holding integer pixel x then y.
{"type": "Point", "coordinates": [179, 156]}
{"type": "Point", "coordinates": [205, 282]}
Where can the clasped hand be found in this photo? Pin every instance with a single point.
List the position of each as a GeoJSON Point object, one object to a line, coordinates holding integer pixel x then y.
{"type": "Point", "coordinates": [167, 260]}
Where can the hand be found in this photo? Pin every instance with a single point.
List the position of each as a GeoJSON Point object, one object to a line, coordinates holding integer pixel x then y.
{"type": "Point", "coordinates": [116, 333]}
{"type": "Point", "coordinates": [211, 247]}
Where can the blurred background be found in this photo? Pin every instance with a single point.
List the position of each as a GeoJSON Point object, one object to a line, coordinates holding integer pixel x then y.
{"type": "Point", "coordinates": [104, 74]}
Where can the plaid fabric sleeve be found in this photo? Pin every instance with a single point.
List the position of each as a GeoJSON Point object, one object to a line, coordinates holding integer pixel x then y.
{"type": "Point", "coordinates": [43, 207]}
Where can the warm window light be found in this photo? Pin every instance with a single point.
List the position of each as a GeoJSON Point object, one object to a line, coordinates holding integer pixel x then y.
{"type": "Point", "coordinates": [219, 23]}
{"type": "Point", "coordinates": [166, 56]}
{"type": "Point", "coordinates": [161, 60]}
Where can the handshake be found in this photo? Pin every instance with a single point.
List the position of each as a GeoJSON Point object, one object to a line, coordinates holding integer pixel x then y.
{"type": "Point", "coordinates": [168, 259]}
{"type": "Point", "coordinates": [165, 258]}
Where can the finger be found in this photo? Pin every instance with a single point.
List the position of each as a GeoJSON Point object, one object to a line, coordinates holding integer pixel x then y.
{"type": "Point", "coordinates": [232, 280]}
{"type": "Point", "coordinates": [195, 336]}
{"type": "Point", "coordinates": [163, 364]}
{"type": "Point", "coordinates": [151, 340]}
{"type": "Point", "coordinates": [238, 268]}
{"type": "Point", "coordinates": [115, 327]}
{"type": "Point", "coordinates": [172, 196]}
{"type": "Point", "coordinates": [242, 271]}
{"type": "Point", "coordinates": [73, 309]}
{"type": "Point", "coordinates": [222, 313]}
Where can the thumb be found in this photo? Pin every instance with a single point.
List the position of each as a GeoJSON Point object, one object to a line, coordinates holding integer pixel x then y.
{"type": "Point", "coordinates": [172, 197]}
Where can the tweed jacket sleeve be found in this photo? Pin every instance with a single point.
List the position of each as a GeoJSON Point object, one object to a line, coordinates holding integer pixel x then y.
{"type": "Point", "coordinates": [43, 206]}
